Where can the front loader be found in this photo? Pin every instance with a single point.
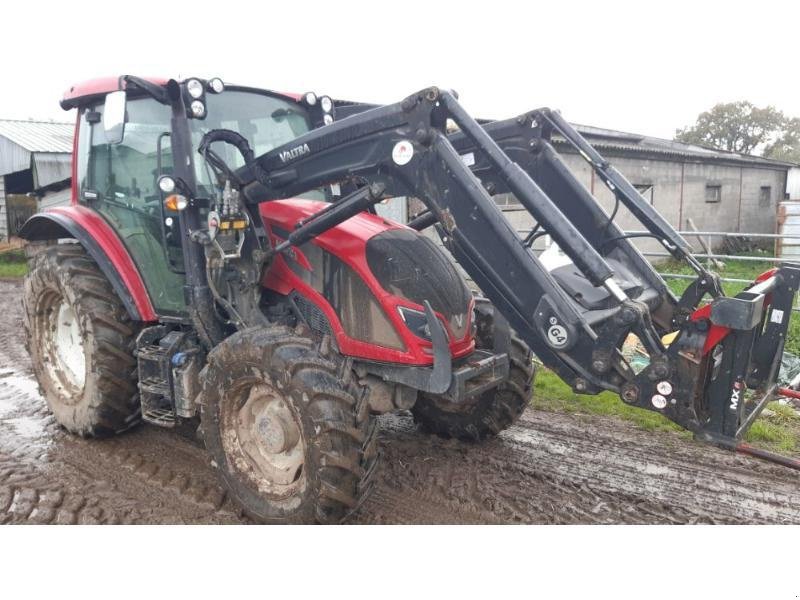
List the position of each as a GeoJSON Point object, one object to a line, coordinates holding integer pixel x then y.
{"type": "Point", "coordinates": [227, 263]}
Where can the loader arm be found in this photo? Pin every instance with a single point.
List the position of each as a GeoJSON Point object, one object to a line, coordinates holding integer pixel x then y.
{"type": "Point", "coordinates": [575, 318]}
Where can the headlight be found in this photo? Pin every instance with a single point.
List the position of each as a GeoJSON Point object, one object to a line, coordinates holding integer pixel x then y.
{"type": "Point", "coordinates": [195, 88]}
{"type": "Point", "coordinates": [198, 108]}
{"type": "Point", "coordinates": [416, 322]}
{"type": "Point", "coordinates": [310, 98]}
{"type": "Point", "coordinates": [326, 103]}
{"type": "Point", "coordinates": [327, 119]}
{"type": "Point", "coordinates": [166, 184]}
{"type": "Point", "coordinates": [216, 85]}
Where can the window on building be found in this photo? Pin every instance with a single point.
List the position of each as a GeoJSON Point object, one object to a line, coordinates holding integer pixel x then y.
{"type": "Point", "coordinates": [713, 193]}
{"type": "Point", "coordinates": [645, 190]}
{"type": "Point", "coordinates": [765, 195]}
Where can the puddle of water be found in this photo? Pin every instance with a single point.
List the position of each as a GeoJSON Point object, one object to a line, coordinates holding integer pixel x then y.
{"type": "Point", "coordinates": [17, 393]}
{"type": "Point", "coordinates": [16, 390]}
{"type": "Point", "coordinates": [30, 428]}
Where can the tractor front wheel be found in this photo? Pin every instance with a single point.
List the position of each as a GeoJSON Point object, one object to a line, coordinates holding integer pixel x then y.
{"type": "Point", "coordinates": [492, 411]}
{"type": "Point", "coordinates": [81, 343]}
{"type": "Point", "coordinates": [288, 429]}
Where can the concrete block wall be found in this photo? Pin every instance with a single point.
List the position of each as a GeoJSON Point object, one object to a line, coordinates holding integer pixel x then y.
{"type": "Point", "coordinates": [679, 193]}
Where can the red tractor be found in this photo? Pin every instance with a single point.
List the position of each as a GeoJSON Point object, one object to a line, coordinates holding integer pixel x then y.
{"type": "Point", "coordinates": [343, 327]}
{"type": "Point", "coordinates": [223, 259]}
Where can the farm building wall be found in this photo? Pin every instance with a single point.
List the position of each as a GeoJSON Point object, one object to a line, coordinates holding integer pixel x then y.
{"type": "Point", "coordinates": [746, 201]}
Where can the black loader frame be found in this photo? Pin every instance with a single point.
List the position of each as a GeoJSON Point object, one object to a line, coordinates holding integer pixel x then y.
{"type": "Point", "coordinates": [575, 321]}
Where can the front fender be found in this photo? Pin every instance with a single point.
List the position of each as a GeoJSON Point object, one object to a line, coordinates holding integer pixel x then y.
{"type": "Point", "coordinates": [102, 244]}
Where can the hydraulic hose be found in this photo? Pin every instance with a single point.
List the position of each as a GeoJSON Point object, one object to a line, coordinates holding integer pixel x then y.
{"type": "Point", "coordinates": [236, 140]}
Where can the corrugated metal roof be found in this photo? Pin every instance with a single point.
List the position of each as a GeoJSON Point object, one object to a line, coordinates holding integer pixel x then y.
{"type": "Point", "coordinates": [621, 141]}
{"type": "Point", "coordinates": [39, 136]}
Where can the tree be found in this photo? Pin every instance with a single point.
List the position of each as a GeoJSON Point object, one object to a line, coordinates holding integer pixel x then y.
{"type": "Point", "coordinates": [787, 146]}
{"type": "Point", "coordinates": [735, 126]}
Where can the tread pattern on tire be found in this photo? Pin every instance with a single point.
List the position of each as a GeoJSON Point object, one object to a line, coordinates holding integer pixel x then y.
{"type": "Point", "coordinates": [111, 402]}
{"type": "Point", "coordinates": [341, 437]}
{"type": "Point", "coordinates": [495, 410]}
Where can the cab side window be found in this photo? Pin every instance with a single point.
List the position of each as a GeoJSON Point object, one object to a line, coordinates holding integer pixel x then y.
{"type": "Point", "coordinates": [127, 172]}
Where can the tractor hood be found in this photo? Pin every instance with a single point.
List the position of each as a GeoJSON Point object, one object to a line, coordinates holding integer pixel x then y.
{"type": "Point", "coordinates": [398, 266]}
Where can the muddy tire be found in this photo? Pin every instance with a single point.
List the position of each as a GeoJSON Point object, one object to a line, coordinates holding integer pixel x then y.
{"type": "Point", "coordinates": [288, 429]}
{"type": "Point", "coordinates": [494, 410]}
{"type": "Point", "coordinates": [81, 343]}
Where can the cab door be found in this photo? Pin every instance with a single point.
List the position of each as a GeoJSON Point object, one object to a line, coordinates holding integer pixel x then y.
{"type": "Point", "coordinates": [119, 181]}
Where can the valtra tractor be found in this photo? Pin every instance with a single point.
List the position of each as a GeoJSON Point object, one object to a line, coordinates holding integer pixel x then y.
{"type": "Point", "coordinates": [223, 261]}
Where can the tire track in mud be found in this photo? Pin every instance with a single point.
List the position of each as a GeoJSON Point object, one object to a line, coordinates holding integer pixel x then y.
{"type": "Point", "coordinates": [550, 468]}
{"type": "Point", "coordinates": [48, 476]}
{"type": "Point", "coordinates": [146, 476]}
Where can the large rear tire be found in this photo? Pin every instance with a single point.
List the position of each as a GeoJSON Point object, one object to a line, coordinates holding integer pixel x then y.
{"type": "Point", "coordinates": [81, 343]}
{"type": "Point", "coordinates": [494, 410]}
{"type": "Point", "coordinates": [288, 429]}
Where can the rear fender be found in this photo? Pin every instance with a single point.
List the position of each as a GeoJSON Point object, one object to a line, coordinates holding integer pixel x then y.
{"type": "Point", "coordinates": [103, 245]}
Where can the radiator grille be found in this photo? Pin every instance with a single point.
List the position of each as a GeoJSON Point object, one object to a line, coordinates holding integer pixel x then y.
{"type": "Point", "coordinates": [312, 315]}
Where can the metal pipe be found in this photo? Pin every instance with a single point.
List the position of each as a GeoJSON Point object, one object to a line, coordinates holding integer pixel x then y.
{"type": "Point", "coordinates": [770, 236]}
{"type": "Point", "coordinates": [693, 277]}
{"type": "Point", "coordinates": [786, 461]}
{"type": "Point", "coordinates": [422, 221]}
{"type": "Point", "coordinates": [766, 236]}
{"type": "Point", "coordinates": [730, 257]}
{"type": "Point", "coordinates": [789, 393]}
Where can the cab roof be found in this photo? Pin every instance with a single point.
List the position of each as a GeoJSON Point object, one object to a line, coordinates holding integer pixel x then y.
{"type": "Point", "coordinates": [92, 89]}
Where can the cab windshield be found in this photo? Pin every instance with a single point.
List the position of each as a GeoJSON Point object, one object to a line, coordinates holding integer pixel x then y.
{"type": "Point", "coordinates": [265, 121]}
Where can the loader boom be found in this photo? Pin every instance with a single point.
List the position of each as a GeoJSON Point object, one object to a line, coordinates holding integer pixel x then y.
{"type": "Point", "coordinates": [575, 319]}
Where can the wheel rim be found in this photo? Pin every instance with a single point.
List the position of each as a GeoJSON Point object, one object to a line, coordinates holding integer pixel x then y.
{"type": "Point", "coordinates": [68, 346]}
{"type": "Point", "coordinates": [62, 346]}
{"type": "Point", "coordinates": [270, 441]}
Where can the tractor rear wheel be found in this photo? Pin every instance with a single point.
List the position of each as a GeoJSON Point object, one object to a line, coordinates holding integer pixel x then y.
{"type": "Point", "coordinates": [288, 429]}
{"type": "Point", "coordinates": [492, 411]}
{"type": "Point", "coordinates": [81, 343]}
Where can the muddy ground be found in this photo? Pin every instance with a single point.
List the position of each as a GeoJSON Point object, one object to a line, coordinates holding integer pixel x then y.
{"type": "Point", "coordinates": [550, 468]}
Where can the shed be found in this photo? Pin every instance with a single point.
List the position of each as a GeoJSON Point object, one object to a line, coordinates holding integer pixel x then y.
{"type": "Point", "coordinates": [35, 169]}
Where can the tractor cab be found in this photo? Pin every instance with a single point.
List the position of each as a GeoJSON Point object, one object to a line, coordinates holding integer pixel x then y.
{"type": "Point", "coordinates": [124, 146]}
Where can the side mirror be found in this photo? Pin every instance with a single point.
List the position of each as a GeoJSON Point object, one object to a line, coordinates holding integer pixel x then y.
{"type": "Point", "coordinates": [114, 116]}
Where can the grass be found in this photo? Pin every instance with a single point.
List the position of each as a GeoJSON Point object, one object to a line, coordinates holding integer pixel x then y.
{"type": "Point", "coordinates": [777, 429]}
{"type": "Point", "coordinates": [13, 264]}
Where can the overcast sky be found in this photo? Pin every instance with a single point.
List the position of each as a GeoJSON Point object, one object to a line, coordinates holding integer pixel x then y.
{"type": "Point", "coordinates": [635, 66]}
